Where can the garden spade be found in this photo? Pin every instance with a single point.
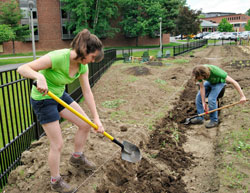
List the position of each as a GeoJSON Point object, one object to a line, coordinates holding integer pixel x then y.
{"type": "Point", "coordinates": [130, 152]}
{"type": "Point", "coordinates": [188, 120]}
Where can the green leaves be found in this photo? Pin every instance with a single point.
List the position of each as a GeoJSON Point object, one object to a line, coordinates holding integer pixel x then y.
{"type": "Point", "coordinates": [225, 26]}
{"type": "Point", "coordinates": [10, 14]}
{"type": "Point", "coordinates": [6, 33]}
{"type": "Point", "coordinates": [247, 26]}
{"type": "Point", "coordinates": [188, 21]}
{"type": "Point", "coordinates": [95, 15]}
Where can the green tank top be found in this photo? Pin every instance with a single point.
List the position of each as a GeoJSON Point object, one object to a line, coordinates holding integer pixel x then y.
{"type": "Point", "coordinates": [217, 75]}
{"type": "Point", "coordinates": [58, 75]}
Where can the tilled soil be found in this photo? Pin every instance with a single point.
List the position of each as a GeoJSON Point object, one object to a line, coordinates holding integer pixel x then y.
{"type": "Point", "coordinates": [152, 102]}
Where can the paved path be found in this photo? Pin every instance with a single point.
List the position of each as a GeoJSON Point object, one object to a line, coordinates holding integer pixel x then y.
{"type": "Point", "coordinates": [13, 57]}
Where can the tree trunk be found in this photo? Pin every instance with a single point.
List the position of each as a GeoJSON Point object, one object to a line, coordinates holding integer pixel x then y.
{"type": "Point", "coordinates": [13, 46]}
{"type": "Point", "coordinates": [136, 41]}
{"type": "Point", "coordinates": [96, 14]}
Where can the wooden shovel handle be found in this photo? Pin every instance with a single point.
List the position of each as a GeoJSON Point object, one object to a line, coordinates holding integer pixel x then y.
{"type": "Point", "coordinates": [226, 106]}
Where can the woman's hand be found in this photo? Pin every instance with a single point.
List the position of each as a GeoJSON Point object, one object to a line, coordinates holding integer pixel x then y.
{"type": "Point", "coordinates": [99, 125]}
{"type": "Point", "coordinates": [205, 107]}
{"type": "Point", "coordinates": [243, 99]}
{"type": "Point", "coordinates": [42, 86]}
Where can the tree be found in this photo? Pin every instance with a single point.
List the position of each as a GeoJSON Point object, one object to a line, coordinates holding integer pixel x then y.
{"type": "Point", "coordinates": [248, 12]}
{"type": "Point", "coordinates": [6, 33]}
{"type": "Point", "coordinates": [141, 17]}
{"type": "Point", "coordinates": [225, 26]}
{"type": "Point", "coordinates": [247, 26]}
{"type": "Point", "coordinates": [95, 15]}
{"type": "Point", "coordinates": [10, 14]}
{"type": "Point", "coordinates": [170, 13]}
{"type": "Point", "coordinates": [133, 21]}
{"type": "Point", "coordinates": [188, 21]}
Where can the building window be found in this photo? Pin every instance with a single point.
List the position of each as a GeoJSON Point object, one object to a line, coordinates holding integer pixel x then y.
{"type": "Point", "coordinates": [24, 6]}
{"type": "Point", "coordinates": [65, 17]}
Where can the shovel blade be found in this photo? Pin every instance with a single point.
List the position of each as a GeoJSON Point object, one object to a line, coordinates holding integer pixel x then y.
{"type": "Point", "coordinates": [130, 152]}
{"type": "Point", "coordinates": [187, 121]}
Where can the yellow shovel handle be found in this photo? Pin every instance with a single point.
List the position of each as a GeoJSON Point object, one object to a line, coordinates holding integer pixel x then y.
{"type": "Point", "coordinates": [78, 114]}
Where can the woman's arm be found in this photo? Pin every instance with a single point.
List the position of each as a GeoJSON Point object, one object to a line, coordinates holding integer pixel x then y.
{"type": "Point", "coordinates": [202, 92]}
{"type": "Point", "coordinates": [237, 87]}
{"type": "Point", "coordinates": [30, 70]}
{"type": "Point", "coordinates": [89, 99]}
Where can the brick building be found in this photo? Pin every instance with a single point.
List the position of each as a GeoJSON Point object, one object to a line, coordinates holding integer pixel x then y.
{"type": "Point", "coordinates": [238, 20]}
{"type": "Point", "coordinates": [51, 33]}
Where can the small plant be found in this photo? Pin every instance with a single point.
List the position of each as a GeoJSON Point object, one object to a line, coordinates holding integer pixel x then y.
{"type": "Point", "coordinates": [153, 156]}
{"type": "Point", "coordinates": [163, 144]}
{"type": "Point", "coordinates": [95, 187]}
{"type": "Point", "coordinates": [113, 104]}
{"type": "Point", "coordinates": [163, 82]}
{"type": "Point", "coordinates": [132, 79]}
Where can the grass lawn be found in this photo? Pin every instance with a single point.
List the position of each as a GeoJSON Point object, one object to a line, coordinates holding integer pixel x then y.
{"type": "Point", "coordinates": [40, 53]}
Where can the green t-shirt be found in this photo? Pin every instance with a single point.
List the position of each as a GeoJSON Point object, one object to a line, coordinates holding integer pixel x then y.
{"type": "Point", "coordinates": [217, 75]}
{"type": "Point", "coordinates": [58, 75]}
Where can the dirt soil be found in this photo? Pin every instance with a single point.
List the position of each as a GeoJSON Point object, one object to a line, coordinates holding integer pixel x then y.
{"type": "Point", "coordinates": [146, 105]}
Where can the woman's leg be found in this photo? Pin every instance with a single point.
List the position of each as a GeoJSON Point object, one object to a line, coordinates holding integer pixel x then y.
{"type": "Point", "coordinates": [53, 132]}
{"type": "Point", "coordinates": [83, 128]}
{"type": "Point", "coordinates": [212, 100]}
{"type": "Point", "coordinates": [198, 101]}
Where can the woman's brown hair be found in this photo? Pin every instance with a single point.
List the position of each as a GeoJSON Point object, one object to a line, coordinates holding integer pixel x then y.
{"type": "Point", "coordinates": [85, 43]}
{"type": "Point", "coordinates": [201, 71]}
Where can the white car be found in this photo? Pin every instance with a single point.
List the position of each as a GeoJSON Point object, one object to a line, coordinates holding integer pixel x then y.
{"type": "Point", "coordinates": [245, 35]}
{"type": "Point", "coordinates": [229, 36]}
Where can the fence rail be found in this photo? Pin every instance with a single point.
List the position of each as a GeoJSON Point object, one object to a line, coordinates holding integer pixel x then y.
{"type": "Point", "coordinates": [188, 47]}
{"type": "Point", "coordinates": [18, 124]}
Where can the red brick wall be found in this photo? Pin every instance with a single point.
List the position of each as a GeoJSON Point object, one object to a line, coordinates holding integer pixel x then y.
{"type": "Point", "coordinates": [120, 40]}
{"type": "Point", "coordinates": [49, 26]}
{"type": "Point", "coordinates": [231, 19]}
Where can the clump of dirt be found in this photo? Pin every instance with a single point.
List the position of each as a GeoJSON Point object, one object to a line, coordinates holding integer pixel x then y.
{"type": "Point", "coordinates": [145, 177]}
{"type": "Point", "coordinates": [138, 71]}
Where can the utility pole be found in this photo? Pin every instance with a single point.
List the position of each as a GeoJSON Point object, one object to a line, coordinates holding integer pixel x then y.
{"type": "Point", "coordinates": [31, 6]}
{"type": "Point", "coordinates": [160, 34]}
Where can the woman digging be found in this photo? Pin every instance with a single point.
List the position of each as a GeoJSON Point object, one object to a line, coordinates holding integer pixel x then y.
{"type": "Point", "coordinates": [52, 72]}
{"type": "Point", "coordinates": [212, 80]}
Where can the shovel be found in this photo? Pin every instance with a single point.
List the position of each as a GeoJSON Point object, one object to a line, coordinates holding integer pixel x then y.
{"type": "Point", "coordinates": [130, 152]}
{"type": "Point", "coordinates": [188, 120]}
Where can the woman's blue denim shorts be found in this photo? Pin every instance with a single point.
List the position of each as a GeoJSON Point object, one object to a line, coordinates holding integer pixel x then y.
{"type": "Point", "coordinates": [47, 110]}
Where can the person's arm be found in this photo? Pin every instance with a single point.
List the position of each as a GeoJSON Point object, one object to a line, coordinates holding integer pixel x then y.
{"type": "Point", "coordinates": [237, 87]}
{"type": "Point", "coordinates": [30, 70]}
{"type": "Point", "coordinates": [89, 99]}
{"type": "Point", "coordinates": [202, 92]}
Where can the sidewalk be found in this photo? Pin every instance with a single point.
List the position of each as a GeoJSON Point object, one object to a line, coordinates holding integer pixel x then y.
{"type": "Point", "coordinates": [13, 57]}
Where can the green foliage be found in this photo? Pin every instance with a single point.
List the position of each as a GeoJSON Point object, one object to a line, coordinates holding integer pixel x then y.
{"type": "Point", "coordinates": [140, 18]}
{"type": "Point", "coordinates": [247, 26]}
{"type": "Point", "coordinates": [225, 26]}
{"type": "Point", "coordinates": [95, 15]}
{"type": "Point", "coordinates": [170, 13]}
{"type": "Point", "coordinates": [10, 14]}
{"type": "Point", "coordinates": [6, 33]}
{"type": "Point", "coordinates": [188, 21]}
{"type": "Point", "coordinates": [133, 22]}
{"type": "Point", "coordinates": [248, 12]}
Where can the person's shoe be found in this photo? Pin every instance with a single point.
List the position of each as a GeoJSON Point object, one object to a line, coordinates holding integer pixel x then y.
{"type": "Point", "coordinates": [197, 121]}
{"type": "Point", "coordinates": [82, 162]}
{"type": "Point", "coordinates": [211, 124]}
{"type": "Point", "coordinates": [61, 186]}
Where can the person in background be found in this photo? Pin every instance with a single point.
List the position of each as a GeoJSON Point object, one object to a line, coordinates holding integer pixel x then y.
{"type": "Point", "coordinates": [212, 80]}
{"type": "Point", "coordinates": [52, 72]}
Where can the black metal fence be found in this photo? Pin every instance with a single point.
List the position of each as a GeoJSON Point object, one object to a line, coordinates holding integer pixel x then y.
{"type": "Point", "coordinates": [18, 125]}
{"type": "Point", "coordinates": [177, 50]}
